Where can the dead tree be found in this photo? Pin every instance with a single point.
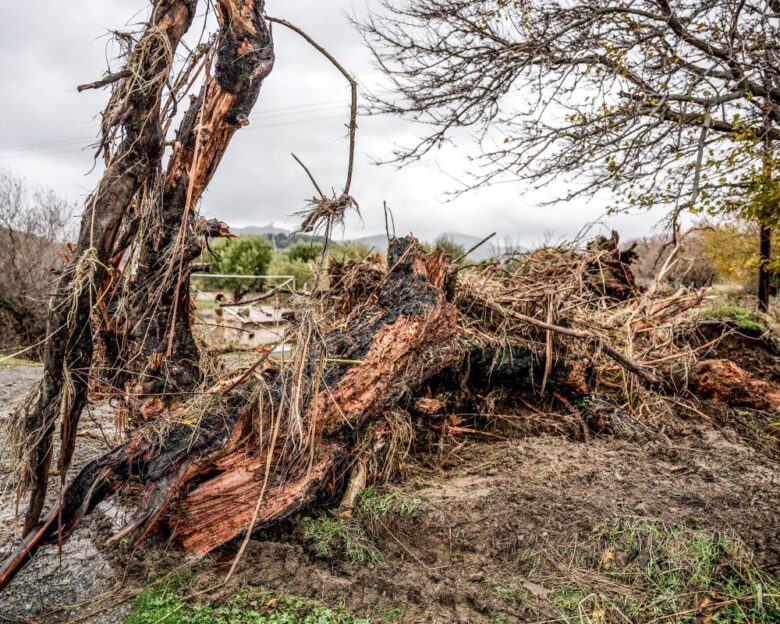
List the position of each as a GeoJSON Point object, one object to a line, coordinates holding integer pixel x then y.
{"type": "Point", "coordinates": [266, 441]}
{"type": "Point", "coordinates": [161, 357]}
{"type": "Point", "coordinates": [32, 234]}
{"type": "Point", "coordinates": [133, 191]}
{"type": "Point", "coordinates": [248, 449]}
{"type": "Point", "coordinates": [68, 352]}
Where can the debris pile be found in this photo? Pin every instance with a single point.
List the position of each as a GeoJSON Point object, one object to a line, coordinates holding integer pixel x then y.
{"type": "Point", "coordinates": [378, 353]}
{"type": "Point", "coordinates": [382, 354]}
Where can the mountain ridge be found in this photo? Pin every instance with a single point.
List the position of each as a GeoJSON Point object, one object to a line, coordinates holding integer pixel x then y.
{"type": "Point", "coordinates": [379, 241]}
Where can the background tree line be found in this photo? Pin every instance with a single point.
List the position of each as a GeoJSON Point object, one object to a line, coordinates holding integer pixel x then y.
{"type": "Point", "coordinates": [33, 230]}
{"type": "Point", "coordinates": [35, 227]}
{"type": "Point", "coordinates": [269, 254]}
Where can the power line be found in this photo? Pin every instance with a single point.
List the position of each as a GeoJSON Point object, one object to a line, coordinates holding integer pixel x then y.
{"type": "Point", "coordinates": [295, 123]}
{"type": "Point", "coordinates": [57, 143]}
{"type": "Point", "coordinates": [262, 111]}
{"type": "Point", "coordinates": [251, 127]}
{"type": "Point", "coordinates": [261, 114]}
{"type": "Point", "coordinates": [19, 156]}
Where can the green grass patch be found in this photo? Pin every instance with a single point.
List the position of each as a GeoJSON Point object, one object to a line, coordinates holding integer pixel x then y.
{"type": "Point", "coordinates": [14, 361]}
{"type": "Point", "coordinates": [206, 304]}
{"type": "Point", "coordinates": [353, 537]}
{"type": "Point", "coordinates": [509, 591]}
{"type": "Point", "coordinates": [643, 571]}
{"type": "Point", "coordinates": [743, 318]}
{"type": "Point", "coordinates": [387, 614]}
{"type": "Point", "coordinates": [331, 535]}
{"type": "Point", "coordinates": [372, 505]}
{"type": "Point", "coordinates": [167, 603]}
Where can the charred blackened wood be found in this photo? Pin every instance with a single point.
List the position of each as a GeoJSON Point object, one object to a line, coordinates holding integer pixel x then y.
{"type": "Point", "coordinates": [96, 481]}
{"type": "Point", "coordinates": [249, 463]}
{"type": "Point", "coordinates": [162, 358]}
{"type": "Point", "coordinates": [135, 107]}
{"type": "Point", "coordinates": [521, 370]}
{"type": "Point", "coordinates": [611, 274]}
{"type": "Point", "coordinates": [381, 354]}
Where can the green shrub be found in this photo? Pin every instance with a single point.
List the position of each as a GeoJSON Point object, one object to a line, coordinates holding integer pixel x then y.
{"type": "Point", "coordinates": [741, 317]}
{"type": "Point", "coordinates": [449, 246]}
{"type": "Point", "coordinates": [348, 251]}
{"type": "Point", "coordinates": [305, 251]}
{"type": "Point", "coordinates": [245, 255]}
{"type": "Point", "coordinates": [303, 271]}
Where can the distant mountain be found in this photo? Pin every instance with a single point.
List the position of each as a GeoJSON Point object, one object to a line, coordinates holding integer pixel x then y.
{"type": "Point", "coordinates": [467, 241]}
{"type": "Point", "coordinates": [256, 230]}
{"type": "Point", "coordinates": [378, 242]}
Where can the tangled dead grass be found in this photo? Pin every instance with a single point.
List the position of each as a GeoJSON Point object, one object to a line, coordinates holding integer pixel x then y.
{"type": "Point", "coordinates": [562, 313]}
{"type": "Point", "coordinates": [589, 289]}
{"type": "Point", "coordinates": [586, 288]}
{"type": "Point", "coordinates": [586, 291]}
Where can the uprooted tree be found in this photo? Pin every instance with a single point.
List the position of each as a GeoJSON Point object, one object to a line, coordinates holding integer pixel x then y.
{"type": "Point", "coordinates": [378, 349]}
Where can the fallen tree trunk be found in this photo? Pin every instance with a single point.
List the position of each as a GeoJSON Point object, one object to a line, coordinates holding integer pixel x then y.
{"type": "Point", "coordinates": [257, 447]}
{"type": "Point", "coordinates": [253, 460]}
{"type": "Point", "coordinates": [95, 482]}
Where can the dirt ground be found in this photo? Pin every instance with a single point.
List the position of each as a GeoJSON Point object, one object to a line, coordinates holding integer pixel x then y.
{"type": "Point", "coordinates": [480, 514]}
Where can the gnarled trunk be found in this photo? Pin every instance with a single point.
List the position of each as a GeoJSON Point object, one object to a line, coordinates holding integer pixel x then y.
{"type": "Point", "coordinates": [161, 356]}
{"type": "Point", "coordinates": [252, 460]}
{"type": "Point", "coordinates": [135, 106]}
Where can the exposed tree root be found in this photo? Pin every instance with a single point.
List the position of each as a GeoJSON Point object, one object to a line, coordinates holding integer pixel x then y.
{"type": "Point", "coordinates": [725, 381]}
{"type": "Point", "coordinates": [132, 112]}
{"type": "Point", "coordinates": [255, 448]}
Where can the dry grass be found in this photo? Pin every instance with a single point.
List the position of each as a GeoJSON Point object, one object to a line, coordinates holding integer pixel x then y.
{"type": "Point", "coordinates": [578, 288]}
{"type": "Point", "coordinates": [646, 572]}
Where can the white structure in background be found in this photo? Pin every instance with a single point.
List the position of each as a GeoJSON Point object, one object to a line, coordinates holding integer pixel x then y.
{"type": "Point", "coordinates": [251, 325]}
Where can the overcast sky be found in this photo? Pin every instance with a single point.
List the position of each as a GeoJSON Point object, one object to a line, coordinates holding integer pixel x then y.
{"type": "Point", "coordinates": [49, 47]}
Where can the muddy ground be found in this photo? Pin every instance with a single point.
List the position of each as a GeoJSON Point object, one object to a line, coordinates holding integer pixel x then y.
{"type": "Point", "coordinates": [58, 583]}
{"type": "Point", "coordinates": [481, 513]}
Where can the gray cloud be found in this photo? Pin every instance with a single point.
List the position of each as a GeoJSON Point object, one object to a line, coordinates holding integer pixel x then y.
{"type": "Point", "coordinates": [302, 109]}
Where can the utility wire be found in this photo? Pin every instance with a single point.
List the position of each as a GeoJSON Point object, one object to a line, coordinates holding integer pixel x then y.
{"type": "Point", "coordinates": [299, 109]}
{"type": "Point", "coordinates": [251, 127]}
